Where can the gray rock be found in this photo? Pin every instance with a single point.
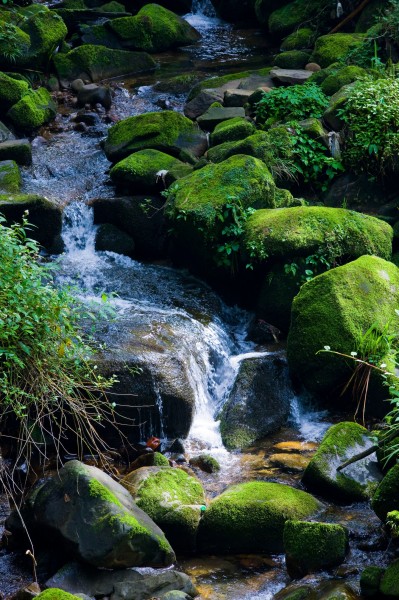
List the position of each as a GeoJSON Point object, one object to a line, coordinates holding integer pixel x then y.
{"type": "Point", "coordinates": [290, 76]}
{"type": "Point", "coordinates": [259, 402]}
{"type": "Point", "coordinates": [124, 584]}
{"type": "Point", "coordinates": [215, 115]}
{"type": "Point", "coordinates": [112, 239]}
{"type": "Point", "coordinates": [236, 97]}
{"type": "Point", "coordinates": [96, 519]}
{"type": "Point", "coordinates": [5, 133]}
{"type": "Point", "coordinates": [95, 94]}
{"type": "Point", "coordinates": [202, 102]}
{"type": "Point", "coordinates": [18, 150]}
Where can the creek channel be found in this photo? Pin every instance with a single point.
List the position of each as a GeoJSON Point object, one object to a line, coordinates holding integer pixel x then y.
{"type": "Point", "coordinates": [70, 168]}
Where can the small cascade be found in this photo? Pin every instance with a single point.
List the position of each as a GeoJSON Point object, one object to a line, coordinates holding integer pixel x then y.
{"type": "Point", "coordinates": [203, 7]}
{"type": "Point", "coordinates": [311, 423]}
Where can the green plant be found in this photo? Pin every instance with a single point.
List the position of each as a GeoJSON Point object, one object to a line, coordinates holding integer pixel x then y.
{"type": "Point", "coordinates": [10, 46]}
{"type": "Point", "coordinates": [371, 114]}
{"type": "Point", "coordinates": [291, 103]}
{"type": "Point", "coordinates": [389, 21]}
{"type": "Point", "coordinates": [233, 217]}
{"type": "Point", "coordinates": [51, 395]}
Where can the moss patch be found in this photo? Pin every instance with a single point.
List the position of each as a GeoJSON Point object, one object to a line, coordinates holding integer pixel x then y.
{"type": "Point", "coordinates": [330, 48]}
{"type": "Point", "coordinates": [389, 585]}
{"type": "Point", "coordinates": [11, 91]}
{"type": "Point", "coordinates": [33, 110]}
{"type": "Point", "coordinates": [386, 497]}
{"type": "Point", "coordinates": [341, 77]}
{"type": "Point", "coordinates": [10, 177]}
{"type": "Point", "coordinates": [292, 59]}
{"type": "Point", "coordinates": [215, 82]}
{"type": "Point", "coordinates": [231, 130]}
{"type": "Point", "coordinates": [300, 39]}
{"type": "Point", "coordinates": [370, 581]}
{"type": "Point", "coordinates": [286, 18]}
{"type": "Point", "coordinates": [98, 490]}
{"type": "Point", "coordinates": [56, 594]}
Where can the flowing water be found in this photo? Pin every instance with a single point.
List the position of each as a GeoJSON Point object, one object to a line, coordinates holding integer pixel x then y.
{"type": "Point", "coordinates": [70, 168]}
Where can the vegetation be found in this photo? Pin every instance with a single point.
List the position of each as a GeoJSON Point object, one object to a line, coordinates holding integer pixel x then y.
{"type": "Point", "coordinates": [291, 103]}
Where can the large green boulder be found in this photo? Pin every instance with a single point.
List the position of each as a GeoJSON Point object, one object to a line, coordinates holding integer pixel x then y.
{"type": "Point", "coordinates": [167, 131]}
{"type": "Point", "coordinates": [340, 77]}
{"type": "Point", "coordinates": [301, 39]}
{"type": "Point", "coordinates": [335, 309]}
{"type": "Point", "coordinates": [330, 48]}
{"type": "Point", "coordinates": [98, 62]}
{"type": "Point", "coordinates": [56, 594]}
{"type": "Point", "coordinates": [290, 16]}
{"type": "Point", "coordinates": [10, 177]}
{"type": "Point", "coordinates": [231, 130]}
{"type": "Point", "coordinates": [311, 547]}
{"type": "Point", "coordinates": [250, 517]}
{"type": "Point", "coordinates": [96, 518]}
{"type": "Point", "coordinates": [47, 31]}
{"type": "Point", "coordinates": [389, 584]}
{"type": "Point", "coordinates": [292, 59]}
{"type": "Point", "coordinates": [370, 580]}
{"type": "Point", "coordinates": [263, 9]}
{"type": "Point", "coordinates": [11, 91]}
{"type": "Point", "coordinates": [353, 483]}
{"type": "Point", "coordinates": [153, 29]}
{"type": "Point", "coordinates": [172, 498]}
{"type": "Point", "coordinates": [36, 108]}
{"type": "Point", "coordinates": [386, 497]}
{"type": "Point", "coordinates": [148, 171]}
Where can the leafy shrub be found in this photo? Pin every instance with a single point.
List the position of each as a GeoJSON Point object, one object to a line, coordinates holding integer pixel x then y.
{"type": "Point", "coordinates": [296, 102]}
{"type": "Point", "coordinates": [371, 114]}
{"type": "Point", "coordinates": [389, 21]}
{"type": "Point", "coordinates": [49, 392]}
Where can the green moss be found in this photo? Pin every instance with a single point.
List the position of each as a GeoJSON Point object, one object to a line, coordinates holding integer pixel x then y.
{"type": "Point", "coordinates": [389, 585]}
{"type": "Point", "coordinates": [10, 177]}
{"type": "Point", "coordinates": [56, 594]}
{"type": "Point", "coordinates": [370, 581]}
{"type": "Point", "coordinates": [337, 79]}
{"type": "Point", "coordinates": [286, 18]}
{"type": "Point", "coordinates": [311, 547]}
{"type": "Point", "coordinates": [304, 230]}
{"type": "Point", "coordinates": [300, 39]}
{"type": "Point", "coordinates": [216, 82]}
{"type": "Point", "coordinates": [34, 109]}
{"type": "Point", "coordinates": [98, 490]}
{"type": "Point", "coordinates": [11, 91]}
{"type": "Point", "coordinates": [292, 59]}
{"type": "Point", "coordinates": [386, 497]}
{"type": "Point", "coordinates": [250, 517]}
{"type": "Point", "coordinates": [231, 130]}
{"type": "Point", "coordinates": [113, 6]}
{"type": "Point", "coordinates": [330, 48]}
{"type": "Point", "coordinates": [47, 31]}
{"type": "Point", "coordinates": [160, 460]}
{"type": "Point", "coordinates": [135, 528]}
{"type": "Point", "coordinates": [206, 463]}
{"type": "Point", "coordinates": [14, 45]}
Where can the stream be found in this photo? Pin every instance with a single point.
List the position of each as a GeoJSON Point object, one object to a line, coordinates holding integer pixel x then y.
{"type": "Point", "coordinates": [70, 168]}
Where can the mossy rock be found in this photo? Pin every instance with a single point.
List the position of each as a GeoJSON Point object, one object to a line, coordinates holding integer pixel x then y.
{"type": "Point", "coordinates": [389, 584]}
{"type": "Point", "coordinates": [336, 80]}
{"type": "Point", "coordinates": [47, 31]}
{"type": "Point", "coordinates": [263, 9]}
{"type": "Point", "coordinates": [217, 82]}
{"type": "Point", "coordinates": [113, 6]}
{"type": "Point", "coordinates": [231, 130]}
{"type": "Point", "coordinates": [295, 592]}
{"type": "Point", "coordinates": [56, 594]}
{"type": "Point", "coordinates": [356, 482]}
{"type": "Point", "coordinates": [100, 523]}
{"type": "Point", "coordinates": [196, 202]}
{"type": "Point", "coordinates": [172, 498]}
{"type": "Point", "coordinates": [98, 62]}
{"type": "Point", "coordinates": [333, 309]}
{"type": "Point", "coordinates": [386, 497]}
{"type": "Point", "coordinates": [10, 176]}
{"type": "Point", "coordinates": [301, 39]}
{"type": "Point", "coordinates": [167, 131]}
{"type": "Point", "coordinates": [337, 101]}
{"type": "Point", "coordinates": [311, 547]}
{"type": "Point", "coordinates": [148, 171]}
{"type": "Point", "coordinates": [330, 48]}
{"type": "Point", "coordinates": [36, 108]}
{"type": "Point", "coordinates": [250, 517]}
{"type": "Point", "coordinates": [18, 150]}
{"type": "Point", "coordinates": [292, 59]}
{"type": "Point", "coordinates": [291, 16]}
{"type": "Point", "coordinates": [11, 91]}
{"type": "Point", "coordinates": [154, 29]}
{"type": "Point", "coordinates": [205, 462]}
{"type": "Point", "coordinates": [370, 581]}
{"type": "Point", "coordinates": [14, 54]}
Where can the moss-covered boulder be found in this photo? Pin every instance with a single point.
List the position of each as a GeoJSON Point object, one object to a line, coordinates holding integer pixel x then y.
{"type": "Point", "coordinates": [14, 44]}
{"type": "Point", "coordinates": [288, 17]}
{"type": "Point", "coordinates": [386, 497]}
{"type": "Point", "coordinates": [44, 215]}
{"type": "Point", "coordinates": [10, 177]}
{"type": "Point", "coordinates": [167, 131]}
{"type": "Point", "coordinates": [18, 150]}
{"type": "Point", "coordinates": [148, 171]}
{"type": "Point", "coordinates": [330, 48]}
{"type": "Point", "coordinates": [292, 59]}
{"type": "Point", "coordinates": [370, 580]}
{"type": "Point", "coordinates": [47, 31]}
{"type": "Point", "coordinates": [202, 205]}
{"type": "Point", "coordinates": [34, 109]}
{"type": "Point", "coordinates": [99, 522]}
{"type": "Point", "coordinates": [56, 594]}
{"type": "Point", "coordinates": [98, 62]}
{"type": "Point", "coordinates": [231, 130]}
{"type": "Point", "coordinates": [357, 481]}
{"type": "Point", "coordinates": [334, 309]}
{"type": "Point", "coordinates": [337, 101]}
{"type": "Point", "coordinates": [172, 498]}
{"type": "Point", "coordinates": [11, 91]}
{"type": "Point", "coordinates": [301, 39]}
{"type": "Point", "coordinates": [154, 29]}
{"type": "Point", "coordinates": [311, 547]}
{"type": "Point", "coordinates": [389, 584]}
{"type": "Point", "coordinates": [263, 9]}
{"type": "Point", "coordinates": [338, 78]}
{"type": "Point", "coordinates": [250, 517]}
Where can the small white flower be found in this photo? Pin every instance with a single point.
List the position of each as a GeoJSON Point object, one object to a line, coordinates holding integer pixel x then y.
{"type": "Point", "coordinates": [327, 348]}
{"type": "Point", "coordinates": [383, 366]}
{"type": "Point", "coordinates": [353, 353]}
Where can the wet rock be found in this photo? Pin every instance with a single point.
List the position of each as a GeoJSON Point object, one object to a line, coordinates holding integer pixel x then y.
{"type": "Point", "coordinates": [110, 238]}
{"type": "Point", "coordinates": [357, 191]}
{"type": "Point", "coordinates": [335, 590]}
{"type": "Point", "coordinates": [95, 518]}
{"type": "Point", "coordinates": [177, 447]}
{"type": "Point", "coordinates": [341, 442]}
{"type": "Point", "coordinates": [149, 459]}
{"type": "Point", "coordinates": [311, 547]}
{"type": "Point", "coordinates": [386, 497]}
{"type": "Point", "coordinates": [29, 592]}
{"type": "Point", "coordinates": [123, 584]}
{"type": "Point", "coordinates": [313, 67]}
{"type": "Point", "coordinates": [291, 463]}
{"type": "Point", "coordinates": [200, 104]}
{"type": "Point", "coordinates": [261, 332]}
{"type": "Point", "coordinates": [370, 580]}
{"type": "Point", "coordinates": [259, 402]}
{"type": "Point", "coordinates": [234, 98]}
{"type": "Point", "coordinates": [91, 119]}
{"type": "Point", "coordinates": [10, 177]}
{"type": "Point", "coordinates": [172, 498]}
{"type": "Point", "coordinates": [5, 133]}
{"type": "Point", "coordinates": [215, 115]}
{"type": "Point", "coordinates": [296, 592]}
{"type": "Point", "coordinates": [93, 94]}
{"type": "Point", "coordinates": [18, 150]}
{"type": "Point", "coordinates": [33, 110]}
{"type": "Point", "coordinates": [205, 462]}
{"type": "Point", "coordinates": [290, 76]}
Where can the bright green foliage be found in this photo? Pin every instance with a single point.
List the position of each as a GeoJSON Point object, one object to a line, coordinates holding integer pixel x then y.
{"type": "Point", "coordinates": [371, 112]}
{"type": "Point", "coordinates": [250, 517]}
{"type": "Point", "coordinates": [291, 103]}
{"type": "Point", "coordinates": [45, 377]}
{"type": "Point", "coordinates": [389, 21]}
{"type": "Point", "coordinates": [13, 43]}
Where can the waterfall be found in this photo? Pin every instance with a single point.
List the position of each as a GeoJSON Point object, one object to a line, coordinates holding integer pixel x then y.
{"type": "Point", "coordinates": [203, 7]}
